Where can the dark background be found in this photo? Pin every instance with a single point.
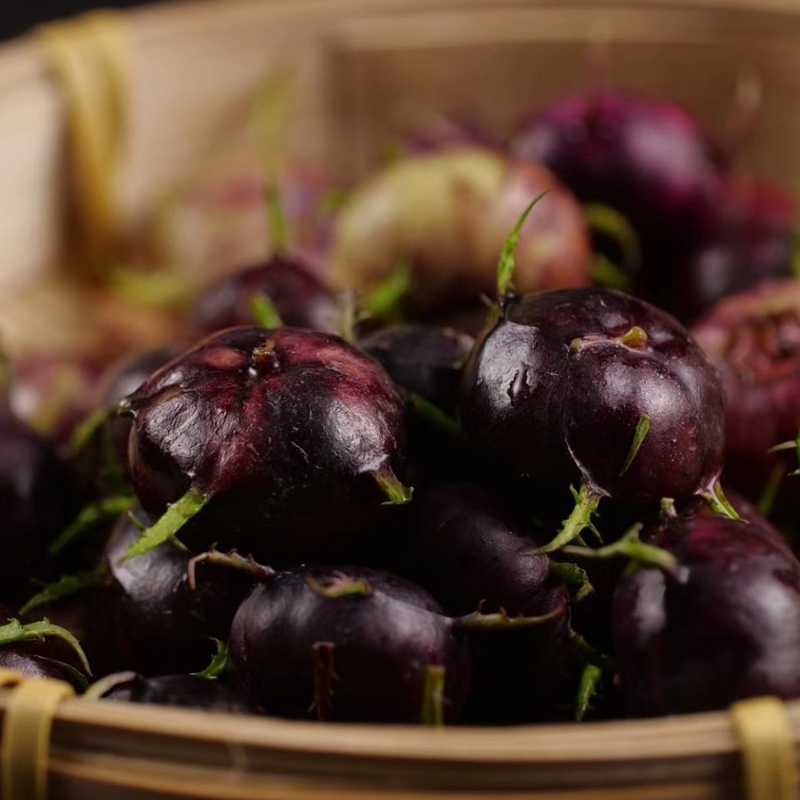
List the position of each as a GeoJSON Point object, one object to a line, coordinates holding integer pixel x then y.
{"type": "Point", "coordinates": [17, 16]}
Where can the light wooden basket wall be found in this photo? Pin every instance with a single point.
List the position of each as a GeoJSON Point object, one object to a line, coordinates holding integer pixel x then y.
{"type": "Point", "coordinates": [359, 72]}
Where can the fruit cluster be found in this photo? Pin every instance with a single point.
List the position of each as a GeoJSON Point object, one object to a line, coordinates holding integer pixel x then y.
{"type": "Point", "coordinates": [233, 525]}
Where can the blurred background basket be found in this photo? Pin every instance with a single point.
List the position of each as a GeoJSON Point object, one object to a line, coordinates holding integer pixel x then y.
{"type": "Point", "coordinates": [353, 74]}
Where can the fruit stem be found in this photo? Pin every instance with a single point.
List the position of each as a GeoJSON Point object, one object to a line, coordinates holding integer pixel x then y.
{"type": "Point", "coordinates": [432, 706]}
{"type": "Point", "coordinates": [383, 302]}
{"type": "Point", "coordinates": [507, 263]}
{"type": "Point", "coordinates": [435, 417]}
{"type": "Point", "coordinates": [89, 517]}
{"type": "Point", "coordinates": [715, 497]}
{"type": "Point", "coordinates": [278, 229]}
{"type": "Point", "coordinates": [591, 655]}
{"type": "Point", "coordinates": [168, 525]}
{"type": "Point", "coordinates": [766, 502]}
{"type": "Point", "coordinates": [396, 493]}
{"type": "Point", "coordinates": [793, 444]}
{"type": "Point", "coordinates": [264, 313]}
{"type": "Point", "coordinates": [573, 575]}
{"type": "Point", "coordinates": [478, 621]}
{"type": "Point", "coordinates": [88, 429]}
{"type": "Point", "coordinates": [99, 688]}
{"type": "Point", "coordinates": [324, 676]}
{"type": "Point", "coordinates": [66, 586]}
{"type": "Point", "coordinates": [639, 435]}
{"type": "Point", "coordinates": [629, 546]}
{"type": "Point", "coordinates": [609, 222]}
{"type": "Point", "coordinates": [586, 503]}
{"type": "Point", "coordinates": [218, 665]}
{"type": "Point", "coordinates": [15, 631]}
{"type": "Point", "coordinates": [232, 560]}
{"type": "Point", "coordinates": [587, 688]}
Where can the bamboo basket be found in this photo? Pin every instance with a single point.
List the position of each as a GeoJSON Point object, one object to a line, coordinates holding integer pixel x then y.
{"type": "Point", "coordinates": [357, 72]}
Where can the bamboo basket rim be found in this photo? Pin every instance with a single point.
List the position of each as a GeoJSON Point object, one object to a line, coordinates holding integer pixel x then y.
{"type": "Point", "coordinates": [663, 739]}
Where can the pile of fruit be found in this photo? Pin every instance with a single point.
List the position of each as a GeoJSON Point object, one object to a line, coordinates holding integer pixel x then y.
{"type": "Point", "coordinates": [467, 471]}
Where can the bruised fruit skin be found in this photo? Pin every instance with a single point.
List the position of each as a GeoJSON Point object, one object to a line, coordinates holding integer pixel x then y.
{"type": "Point", "coordinates": [288, 432]}
{"type": "Point", "coordinates": [184, 691]}
{"type": "Point", "coordinates": [649, 160]}
{"type": "Point", "coordinates": [448, 214]}
{"type": "Point", "coordinates": [557, 389]}
{"type": "Point", "coordinates": [162, 624]}
{"type": "Point", "coordinates": [726, 628]}
{"type": "Point", "coordinates": [348, 644]}
{"type": "Point", "coordinates": [301, 299]}
{"type": "Point", "coordinates": [425, 359]}
{"type": "Point", "coordinates": [469, 550]}
{"type": "Point", "coordinates": [753, 340]}
{"type": "Point", "coordinates": [39, 497]}
{"type": "Point", "coordinates": [751, 241]}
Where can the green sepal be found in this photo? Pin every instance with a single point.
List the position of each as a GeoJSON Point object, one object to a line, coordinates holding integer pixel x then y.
{"type": "Point", "coordinates": [587, 689]}
{"type": "Point", "coordinates": [586, 503]}
{"type": "Point", "coordinates": [15, 631]}
{"type": "Point", "coordinates": [639, 435]}
{"type": "Point", "coordinates": [507, 262]}
{"type": "Point", "coordinates": [90, 517]}
{"type": "Point", "coordinates": [67, 586]}
{"type": "Point", "coordinates": [219, 663]}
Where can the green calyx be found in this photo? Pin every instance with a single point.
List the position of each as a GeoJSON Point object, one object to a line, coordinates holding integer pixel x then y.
{"type": "Point", "coordinates": [432, 706]}
{"type": "Point", "coordinates": [231, 560]}
{"type": "Point", "coordinates": [720, 504]}
{"type": "Point", "coordinates": [171, 521]}
{"type": "Point", "coordinates": [265, 315]}
{"type": "Point", "coordinates": [586, 503]}
{"type": "Point", "coordinates": [639, 435]}
{"type": "Point", "coordinates": [218, 665]}
{"type": "Point", "coordinates": [67, 586]}
{"type": "Point", "coordinates": [89, 518]}
{"type": "Point", "coordinates": [507, 263]}
{"type": "Point", "coordinates": [629, 546]}
{"type": "Point", "coordinates": [15, 631]}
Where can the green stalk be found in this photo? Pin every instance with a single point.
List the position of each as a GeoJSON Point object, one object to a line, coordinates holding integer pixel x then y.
{"type": "Point", "coordinates": [575, 576]}
{"type": "Point", "coordinates": [720, 505]}
{"type": "Point", "coordinates": [432, 707]}
{"type": "Point", "coordinates": [478, 621]}
{"type": "Point", "coordinates": [629, 546]}
{"type": "Point", "coordinates": [586, 503]}
{"type": "Point", "coordinates": [435, 417]}
{"type": "Point", "coordinates": [15, 631]}
{"type": "Point", "coordinates": [66, 586]}
{"type": "Point", "coordinates": [609, 222]}
{"type": "Point", "coordinates": [218, 665]}
{"type": "Point", "coordinates": [587, 689]}
{"type": "Point", "coordinates": [507, 263]}
{"type": "Point", "coordinates": [168, 525]}
{"type": "Point", "coordinates": [766, 502]}
{"type": "Point", "coordinates": [396, 493]}
{"type": "Point", "coordinates": [265, 315]}
{"type": "Point", "coordinates": [230, 560]}
{"type": "Point", "coordinates": [91, 516]}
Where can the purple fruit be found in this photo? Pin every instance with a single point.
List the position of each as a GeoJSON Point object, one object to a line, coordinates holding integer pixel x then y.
{"type": "Point", "coordinates": [184, 691]}
{"type": "Point", "coordinates": [39, 497]}
{"type": "Point", "coordinates": [299, 297]}
{"type": "Point", "coordinates": [425, 359]}
{"type": "Point", "coordinates": [753, 340]}
{"type": "Point", "coordinates": [161, 623]}
{"type": "Point", "coordinates": [649, 160]}
{"type": "Point", "coordinates": [725, 627]}
{"type": "Point", "coordinates": [347, 644]}
{"type": "Point", "coordinates": [596, 387]}
{"type": "Point", "coordinates": [284, 442]}
{"type": "Point", "coordinates": [470, 550]}
{"type": "Point", "coordinates": [751, 241]}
